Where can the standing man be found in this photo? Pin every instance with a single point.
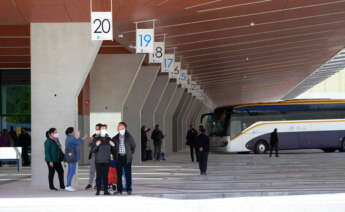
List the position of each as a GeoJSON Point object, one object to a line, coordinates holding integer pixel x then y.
{"type": "Point", "coordinates": [203, 145]}
{"type": "Point", "coordinates": [25, 142]}
{"type": "Point", "coordinates": [14, 136]}
{"type": "Point", "coordinates": [274, 142]}
{"type": "Point", "coordinates": [191, 135]}
{"type": "Point", "coordinates": [157, 137]}
{"type": "Point", "coordinates": [144, 140]}
{"type": "Point", "coordinates": [92, 157]}
{"type": "Point", "coordinates": [124, 150]}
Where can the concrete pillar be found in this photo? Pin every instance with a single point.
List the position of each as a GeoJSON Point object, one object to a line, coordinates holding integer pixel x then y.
{"type": "Point", "coordinates": [185, 121]}
{"type": "Point", "coordinates": [156, 93]}
{"type": "Point", "coordinates": [176, 116]}
{"type": "Point", "coordinates": [133, 107]}
{"type": "Point", "coordinates": [112, 79]}
{"type": "Point", "coordinates": [62, 55]}
{"type": "Point", "coordinates": [180, 126]}
{"type": "Point", "coordinates": [169, 114]}
{"type": "Point", "coordinates": [159, 113]}
{"type": "Point", "coordinates": [194, 120]}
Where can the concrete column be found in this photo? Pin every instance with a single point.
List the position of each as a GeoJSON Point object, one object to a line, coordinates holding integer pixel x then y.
{"type": "Point", "coordinates": [185, 121]}
{"type": "Point", "coordinates": [161, 108]}
{"type": "Point", "coordinates": [156, 93]}
{"type": "Point", "coordinates": [176, 116]}
{"type": "Point", "coordinates": [180, 120]}
{"type": "Point", "coordinates": [133, 107]}
{"type": "Point", "coordinates": [62, 55]}
{"type": "Point", "coordinates": [195, 116]}
{"type": "Point", "coordinates": [111, 80]}
{"type": "Point", "coordinates": [169, 114]}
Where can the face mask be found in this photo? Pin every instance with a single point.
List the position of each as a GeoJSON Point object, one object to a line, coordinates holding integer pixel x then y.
{"type": "Point", "coordinates": [97, 132]}
{"type": "Point", "coordinates": [122, 132]}
{"type": "Point", "coordinates": [103, 132]}
{"type": "Point", "coordinates": [56, 135]}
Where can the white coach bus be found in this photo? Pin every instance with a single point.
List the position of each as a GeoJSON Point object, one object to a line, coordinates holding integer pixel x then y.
{"type": "Point", "coordinates": [301, 124]}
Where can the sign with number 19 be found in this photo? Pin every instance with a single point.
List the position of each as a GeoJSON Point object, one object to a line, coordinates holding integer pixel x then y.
{"type": "Point", "coordinates": [145, 41]}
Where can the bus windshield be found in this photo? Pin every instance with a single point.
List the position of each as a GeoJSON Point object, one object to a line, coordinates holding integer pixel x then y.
{"type": "Point", "coordinates": [217, 123]}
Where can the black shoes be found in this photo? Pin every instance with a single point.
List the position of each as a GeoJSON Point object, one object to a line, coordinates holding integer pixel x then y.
{"type": "Point", "coordinates": [97, 193]}
{"type": "Point", "coordinates": [88, 187]}
{"type": "Point", "coordinates": [53, 189]}
{"type": "Point", "coordinates": [129, 192]}
{"type": "Point", "coordinates": [106, 192]}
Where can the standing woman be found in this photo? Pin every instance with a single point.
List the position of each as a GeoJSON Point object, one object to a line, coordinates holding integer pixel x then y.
{"type": "Point", "coordinates": [72, 151]}
{"type": "Point", "coordinates": [52, 148]}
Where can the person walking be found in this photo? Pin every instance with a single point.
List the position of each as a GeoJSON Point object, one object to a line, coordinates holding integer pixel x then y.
{"type": "Point", "coordinates": [53, 158]}
{"type": "Point", "coordinates": [92, 170]}
{"type": "Point", "coordinates": [124, 151]}
{"type": "Point", "coordinates": [14, 136]}
{"type": "Point", "coordinates": [191, 135]}
{"type": "Point", "coordinates": [103, 147]}
{"type": "Point", "coordinates": [144, 140]}
{"type": "Point", "coordinates": [157, 136]}
{"type": "Point", "coordinates": [203, 145]}
{"type": "Point", "coordinates": [72, 153]}
{"type": "Point", "coordinates": [274, 142]}
{"type": "Point", "coordinates": [24, 141]}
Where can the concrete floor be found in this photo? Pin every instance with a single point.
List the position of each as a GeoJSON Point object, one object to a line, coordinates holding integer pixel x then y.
{"type": "Point", "coordinates": [254, 182]}
{"type": "Point", "coordinates": [229, 175]}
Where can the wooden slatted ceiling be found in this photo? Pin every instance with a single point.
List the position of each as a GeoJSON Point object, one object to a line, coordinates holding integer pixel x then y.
{"type": "Point", "coordinates": [239, 50]}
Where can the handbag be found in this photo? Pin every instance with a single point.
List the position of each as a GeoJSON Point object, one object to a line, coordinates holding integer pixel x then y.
{"type": "Point", "coordinates": [62, 157]}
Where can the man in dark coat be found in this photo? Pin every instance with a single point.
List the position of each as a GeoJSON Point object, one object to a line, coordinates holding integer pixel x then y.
{"type": "Point", "coordinates": [274, 142]}
{"type": "Point", "coordinates": [157, 137]}
{"type": "Point", "coordinates": [144, 132]}
{"type": "Point", "coordinates": [191, 135]}
{"type": "Point", "coordinates": [203, 145]}
{"type": "Point", "coordinates": [124, 151]}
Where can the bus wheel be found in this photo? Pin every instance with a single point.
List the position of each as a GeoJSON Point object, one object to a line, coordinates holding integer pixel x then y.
{"type": "Point", "coordinates": [329, 150]}
{"type": "Point", "coordinates": [261, 147]}
{"type": "Point", "coordinates": [342, 148]}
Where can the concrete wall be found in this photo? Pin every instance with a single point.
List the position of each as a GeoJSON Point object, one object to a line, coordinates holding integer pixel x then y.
{"type": "Point", "coordinates": [153, 99]}
{"type": "Point", "coordinates": [135, 102]}
{"type": "Point", "coordinates": [61, 57]}
{"type": "Point", "coordinates": [159, 113]}
{"type": "Point", "coordinates": [180, 139]}
{"type": "Point", "coordinates": [169, 122]}
{"type": "Point", "coordinates": [176, 116]}
{"type": "Point", "coordinates": [185, 122]}
{"type": "Point", "coordinates": [111, 80]}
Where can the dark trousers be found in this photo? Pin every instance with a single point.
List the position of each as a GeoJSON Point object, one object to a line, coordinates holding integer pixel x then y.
{"type": "Point", "coordinates": [25, 156]}
{"type": "Point", "coordinates": [58, 168]}
{"type": "Point", "coordinates": [157, 154]}
{"type": "Point", "coordinates": [274, 147]}
{"type": "Point", "coordinates": [121, 165]}
{"type": "Point", "coordinates": [203, 157]}
{"type": "Point", "coordinates": [102, 170]}
{"type": "Point", "coordinates": [143, 152]}
{"type": "Point", "coordinates": [192, 149]}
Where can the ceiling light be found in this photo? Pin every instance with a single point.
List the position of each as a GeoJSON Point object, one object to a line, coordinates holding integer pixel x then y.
{"type": "Point", "coordinates": [252, 24]}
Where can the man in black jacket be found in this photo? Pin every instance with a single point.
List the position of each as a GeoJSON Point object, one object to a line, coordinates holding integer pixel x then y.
{"type": "Point", "coordinates": [274, 142]}
{"type": "Point", "coordinates": [191, 135]}
{"type": "Point", "coordinates": [25, 142]}
{"type": "Point", "coordinates": [203, 145]}
{"type": "Point", "coordinates": [103, 147]}
{"type": "Point", "coordinates": [124, 150]}
{"type": "Point", "coordinates": [157, 137]}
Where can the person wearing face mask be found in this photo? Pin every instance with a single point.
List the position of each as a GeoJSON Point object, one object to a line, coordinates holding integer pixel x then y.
{"type": "Point", "coordinates": [52, 148]}
{"type": "Point", "coordinates": [92, 170]}
{"type": "Point", "coordinates": [103, 147]}
{"type": "Point", "coordinates": [124, 150]}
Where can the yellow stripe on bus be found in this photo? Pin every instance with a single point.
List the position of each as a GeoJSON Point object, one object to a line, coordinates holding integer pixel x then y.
{"type": "Point", "coordinates": [283, 122]}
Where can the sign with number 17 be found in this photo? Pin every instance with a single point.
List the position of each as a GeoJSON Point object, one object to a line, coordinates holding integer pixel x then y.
{"type": "Point", "coordinates": [168, 63]}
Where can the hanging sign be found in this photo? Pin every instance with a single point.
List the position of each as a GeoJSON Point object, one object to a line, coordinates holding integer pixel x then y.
{"type": "Point", "coordinates": [101, 26]}
{"type": "Point", "coordinates": [176, 72]}
{"type": "Point", "coordinates": [145, 41]}
{"type": "Point", "coordinates": [158, 55]}
{"type": "Point", "coordinates": [168, 63]}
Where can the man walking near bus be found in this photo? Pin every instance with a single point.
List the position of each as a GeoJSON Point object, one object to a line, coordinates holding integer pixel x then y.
{"type": "Point", "coordinates": [274, 142]}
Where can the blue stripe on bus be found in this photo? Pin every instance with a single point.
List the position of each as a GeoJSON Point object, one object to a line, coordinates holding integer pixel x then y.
{"type": "Point", "coordinates": [303, 140]}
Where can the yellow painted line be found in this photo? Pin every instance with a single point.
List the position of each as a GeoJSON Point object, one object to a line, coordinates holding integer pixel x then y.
{"type": "Point", "coordinates": [284, 122]}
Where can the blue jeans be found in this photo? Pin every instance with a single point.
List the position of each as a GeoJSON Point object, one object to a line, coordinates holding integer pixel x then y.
{"type": "Point", "coordinates": [71, 171]}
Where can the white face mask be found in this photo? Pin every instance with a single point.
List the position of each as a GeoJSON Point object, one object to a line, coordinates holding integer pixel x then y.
{"type": "Point", "coordinates": [122, 132]}
{"type": "Point", "coordinates": [56, 135]}
{"type": "Point", "coordinates": [103, 131]}
{"type": "Point", "coordinates": [97, 132]}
